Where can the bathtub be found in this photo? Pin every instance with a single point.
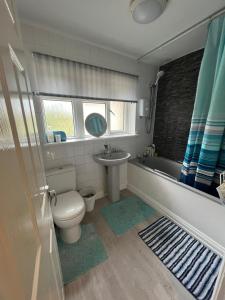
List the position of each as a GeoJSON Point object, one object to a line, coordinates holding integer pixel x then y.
{"type": "Point", "coordinates": [162, 165]}
{"type": "Point", "coordinates": [156, 181]}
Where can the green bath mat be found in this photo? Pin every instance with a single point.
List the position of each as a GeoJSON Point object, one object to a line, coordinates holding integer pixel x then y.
{"type": "Point", "coordinates": [124, 214]}
{"type": "Point", "coordinates": [78, 258]}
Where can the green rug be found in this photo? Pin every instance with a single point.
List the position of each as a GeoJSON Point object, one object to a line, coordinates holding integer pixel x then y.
{"type": "Point", "coordinates": [124, 214]}
{"type": "Point", "coordinates": [78, 258]}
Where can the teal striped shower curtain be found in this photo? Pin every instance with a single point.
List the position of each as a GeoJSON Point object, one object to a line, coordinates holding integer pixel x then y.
{"type": "Point", "coordinates": [205, 154]}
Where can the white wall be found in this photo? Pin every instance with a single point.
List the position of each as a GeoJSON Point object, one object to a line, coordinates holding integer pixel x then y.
{"type": "Point", "coordinates": [88, 172]}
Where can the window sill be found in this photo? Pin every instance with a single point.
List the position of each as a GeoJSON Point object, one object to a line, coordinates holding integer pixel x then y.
{"type": "Point", "coordinates": [86, 139]}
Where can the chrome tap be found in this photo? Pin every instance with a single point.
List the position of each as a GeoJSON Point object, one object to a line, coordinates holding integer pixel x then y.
{"type": "Point", "coordinates": [108, 149]}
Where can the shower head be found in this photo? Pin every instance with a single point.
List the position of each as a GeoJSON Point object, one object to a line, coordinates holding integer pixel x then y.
{"type": "Point", "coordinates": [158, 76]}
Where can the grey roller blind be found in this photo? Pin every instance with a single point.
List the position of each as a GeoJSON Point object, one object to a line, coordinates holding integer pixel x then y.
{"type": "Point", "coordinates": [65, 77]}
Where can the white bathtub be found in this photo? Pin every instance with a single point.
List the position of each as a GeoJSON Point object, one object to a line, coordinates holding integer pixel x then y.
{"type": "Point", "coordinates": [162, 165]}
{"type": "Point", "coordinates": [201, 214]}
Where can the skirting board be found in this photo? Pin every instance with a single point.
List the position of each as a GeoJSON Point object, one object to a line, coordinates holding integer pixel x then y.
{"type": "Point", "coordinates": [100, 194]}
{"type": "Point", "coordinates": [190, 229]}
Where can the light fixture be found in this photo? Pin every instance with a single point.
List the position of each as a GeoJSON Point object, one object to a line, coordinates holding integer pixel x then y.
{"type": "Point", "coordinates": [146, 11]}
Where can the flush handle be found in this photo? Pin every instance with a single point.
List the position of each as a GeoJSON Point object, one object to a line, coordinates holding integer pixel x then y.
{"type": "Point", "coordinates": [52, 196]}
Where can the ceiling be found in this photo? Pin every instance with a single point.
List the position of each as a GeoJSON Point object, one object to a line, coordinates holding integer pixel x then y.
{"type": "Point", "coordinates": [108, 23]}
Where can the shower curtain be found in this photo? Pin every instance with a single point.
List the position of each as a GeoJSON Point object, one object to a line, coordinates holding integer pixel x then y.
{"type": "Point", "coordinates": [205, 154]}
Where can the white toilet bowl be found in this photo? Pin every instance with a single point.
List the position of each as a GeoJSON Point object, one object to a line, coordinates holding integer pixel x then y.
{"type": "Point", "coordinates": [68, 214]}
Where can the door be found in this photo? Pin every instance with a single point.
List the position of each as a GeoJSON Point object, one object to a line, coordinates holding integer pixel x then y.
{"type": "Point", "coordinates": [30, 267]}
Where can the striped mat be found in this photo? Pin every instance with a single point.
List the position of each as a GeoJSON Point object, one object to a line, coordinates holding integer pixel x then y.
{"type": "Point", "coordinates": [192, 263]}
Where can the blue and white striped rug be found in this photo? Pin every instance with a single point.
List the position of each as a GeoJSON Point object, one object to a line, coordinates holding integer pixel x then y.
{"type": "Point", "coordinates": [193, 264]}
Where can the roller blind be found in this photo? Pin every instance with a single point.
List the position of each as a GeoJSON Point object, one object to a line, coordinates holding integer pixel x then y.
{"type": "Point", "coordinates": [60, 76]}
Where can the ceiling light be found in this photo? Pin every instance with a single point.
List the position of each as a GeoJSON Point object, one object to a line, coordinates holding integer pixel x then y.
{"type": "Point", "coordinates": [146, 11]}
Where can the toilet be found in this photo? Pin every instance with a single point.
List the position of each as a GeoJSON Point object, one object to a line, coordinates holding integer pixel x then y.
{"type": "Point", "coordinates": [69, 209]}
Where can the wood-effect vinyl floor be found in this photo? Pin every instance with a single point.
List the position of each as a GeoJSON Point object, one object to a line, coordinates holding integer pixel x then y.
{"type": "Point", "coordinates": [131, 272]}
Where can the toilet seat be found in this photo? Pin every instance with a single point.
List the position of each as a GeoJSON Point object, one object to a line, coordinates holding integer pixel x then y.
{"type": "Point", "coordinates": [69, 206]}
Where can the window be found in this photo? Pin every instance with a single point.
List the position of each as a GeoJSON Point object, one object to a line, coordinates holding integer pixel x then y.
{"type": "Point", "coordinates": [70, 116]}
{"type": "Point", "coordinates": [59, 116]}
{"type": "Point", "coordinates": [58, 76]}
{"type": "Point", "coordinates": [116, 116]}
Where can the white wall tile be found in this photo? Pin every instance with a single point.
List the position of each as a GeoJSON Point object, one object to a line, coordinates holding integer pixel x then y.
{"type": "Point", "coordinates": [80, 154]}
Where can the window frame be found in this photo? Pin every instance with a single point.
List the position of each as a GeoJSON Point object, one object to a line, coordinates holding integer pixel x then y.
{"type": "Point", "coordinates": [59, 100]}
{"type": "Point", "coordinates": [125, 128]}
{"type": "Point", "coordinates": [78, 119]}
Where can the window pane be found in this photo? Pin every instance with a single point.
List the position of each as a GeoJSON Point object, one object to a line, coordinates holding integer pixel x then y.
{"type": "Point", "coordinates": [92, 107]}
{"type": "Point", "coordinates": [117, 116]}
{"type": "Point", "coordinates": [59, 116]}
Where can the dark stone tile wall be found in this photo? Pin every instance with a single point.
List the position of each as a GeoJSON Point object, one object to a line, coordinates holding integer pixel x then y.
{"type": "Point", "coordinates": [175, 102]}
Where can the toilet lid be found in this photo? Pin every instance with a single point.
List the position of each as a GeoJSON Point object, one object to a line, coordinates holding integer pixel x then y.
{"type": "Point", "coordinates": [69, 205]}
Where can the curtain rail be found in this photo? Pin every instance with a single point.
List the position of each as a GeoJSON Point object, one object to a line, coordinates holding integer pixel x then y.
{"type": "Point", "coordinates": [79, 97]}
{"type": "Point", "coordinates": [90, 65]}
{"type": "Point", "coordinates": [184, 32]}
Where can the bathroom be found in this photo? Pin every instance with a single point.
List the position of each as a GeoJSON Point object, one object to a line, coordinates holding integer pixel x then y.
{"type": "Point", "coordinates": [96, 132]}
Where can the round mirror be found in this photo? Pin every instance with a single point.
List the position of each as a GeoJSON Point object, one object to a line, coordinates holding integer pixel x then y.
{"type": "Point", "coordinates": [95, 124]}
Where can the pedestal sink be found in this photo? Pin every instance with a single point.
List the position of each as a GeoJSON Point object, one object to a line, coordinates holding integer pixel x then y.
{"type": "Point", "coordinates": [112, 161]}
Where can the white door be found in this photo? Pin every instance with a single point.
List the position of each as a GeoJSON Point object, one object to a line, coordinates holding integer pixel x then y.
{"type": "Point", "coordinates": [29, 262]}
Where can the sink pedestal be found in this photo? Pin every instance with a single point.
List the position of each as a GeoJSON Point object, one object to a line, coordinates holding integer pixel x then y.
{"type": "Point", "coordinates": [113, 161]}
{"type": "Point", "coordinates": [113, 183]}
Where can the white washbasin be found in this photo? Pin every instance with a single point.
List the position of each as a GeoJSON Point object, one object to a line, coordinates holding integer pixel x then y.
{"type": "Point", "coordinates": [112, 159]}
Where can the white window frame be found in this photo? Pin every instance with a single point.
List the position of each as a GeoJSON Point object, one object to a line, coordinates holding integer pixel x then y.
{"type": "Point", "coordinates": [117, 132]}
{"type": "Point", "coordinates": [61, 100]}
{"type": "Point", "coordinates": [78, 120]}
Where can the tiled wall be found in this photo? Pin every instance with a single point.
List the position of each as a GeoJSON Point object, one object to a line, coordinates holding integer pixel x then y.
{"type": "Point", "coordinates": [80, 153]}
{"type": "Point", "coordinates": [89, 173]}
{"type": "Point", "coordinates": [175, 102]}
